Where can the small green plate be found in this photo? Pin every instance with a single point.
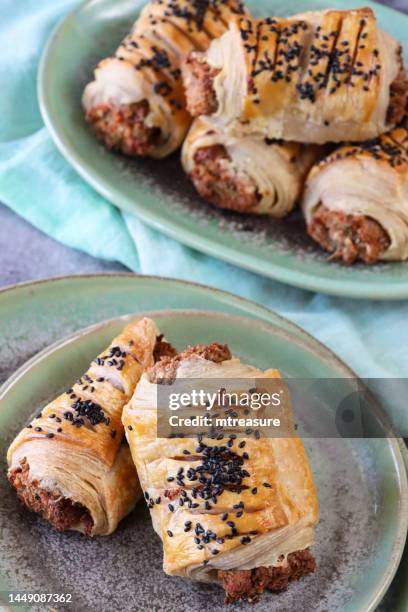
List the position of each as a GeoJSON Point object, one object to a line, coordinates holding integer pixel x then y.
{"type": "Point", "coordinates": [159, 192]}
{"type": "Point", "coordinates": [362, 484]}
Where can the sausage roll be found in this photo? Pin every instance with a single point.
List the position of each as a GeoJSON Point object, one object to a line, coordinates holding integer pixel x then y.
{"type": "Point", "coordinates": [310, 78]}
{"type": "Point", "coordinates": [70, 464]}
{"type": "Point", "coordinates": [235, 511]}
{"type": "Point", "coordinates": [356, 200]}
{"type": "Point", "coordinates": [136, 103]}
{"type": "Point", "coordinates": [248, 174]}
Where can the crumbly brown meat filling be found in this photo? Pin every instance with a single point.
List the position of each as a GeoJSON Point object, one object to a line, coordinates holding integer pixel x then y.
{"type": "Point", "coordinates": [250, 584]}
{"type": "Point", "coordinates": [218, 182]}
{"type": "Point", "coordinates": [199, 79]}
{"type": "Point", "coordinates": [123, 128]}
{"type": "Point", "coordinates": [163, 349]}
{"type": "Point", "coordinates": [165, 371]}
{"type": "Point", "coordinates": [348, 237]}
{"type": "Point", "coordinates": [398, 95]}
{"type": "Point", "coordinates": [61, 512]}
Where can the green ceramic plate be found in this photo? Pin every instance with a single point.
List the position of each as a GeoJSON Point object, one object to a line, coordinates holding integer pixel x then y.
{"type": "Point", "coordinates": [362, 484]}
{"type": "Point", "coordinates": [159, 192]}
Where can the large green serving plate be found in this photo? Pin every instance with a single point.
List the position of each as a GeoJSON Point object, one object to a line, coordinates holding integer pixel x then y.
{"type": "Point", "coordinates": [362, 484]}
{"type": "Point", "coordinates": [160, 194]}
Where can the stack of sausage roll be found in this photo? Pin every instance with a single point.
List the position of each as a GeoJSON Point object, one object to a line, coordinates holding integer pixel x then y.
{"type": "Point", "coordinates": [269, 100]}
{"type": "Point", "coordinates": [314, 79]}
{"type": "Point", "coordinates": [237, 510]}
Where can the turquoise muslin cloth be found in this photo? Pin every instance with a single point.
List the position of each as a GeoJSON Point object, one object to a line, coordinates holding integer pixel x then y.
{"type": "Point", "coordinates": [37, 183]}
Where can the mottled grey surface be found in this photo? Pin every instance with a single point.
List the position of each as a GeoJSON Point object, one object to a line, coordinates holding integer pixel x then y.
{"type": "Point", "coordinates": [28, 254]}
{"type": "Point", "coordinates": [402, 5]}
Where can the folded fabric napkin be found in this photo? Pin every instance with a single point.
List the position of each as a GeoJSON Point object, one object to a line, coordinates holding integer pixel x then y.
{"type": "Point", "coordinates": [37, 183]}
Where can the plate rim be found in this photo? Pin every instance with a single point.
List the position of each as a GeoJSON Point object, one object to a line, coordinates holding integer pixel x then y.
{"type": "Point", "coordinates": [396, 445]}
{"type": "Point", "coordinates": [357, 289]}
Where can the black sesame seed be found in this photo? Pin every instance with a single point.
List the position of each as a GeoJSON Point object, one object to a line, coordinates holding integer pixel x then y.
{"type": "Point", "coordinates": [267, 485]}
{"type": "Point", "coordinates": [50, 435]}
{"type": "Point", "coordinates": [169, 533]}
{"type": "Point", "coordinates": [171, 507]}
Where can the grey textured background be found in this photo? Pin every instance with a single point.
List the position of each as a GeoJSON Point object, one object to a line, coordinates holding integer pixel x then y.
{"type": "Point", "coordinates": [27, 254]}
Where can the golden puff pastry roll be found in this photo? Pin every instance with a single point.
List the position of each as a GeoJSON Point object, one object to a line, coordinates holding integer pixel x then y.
{"type": "Point", "coordinates": [136, 103]}
{"type": "Point", "coordinates": [248, 174]}
{"type": "Point", "coordinates": [356, 200]}
{"type": "Point", "coordinates": [71, 463]}
{"type": "Point", "coordinates": [235, 511]}
{"type": "Point", "coordinates": [313, 78]}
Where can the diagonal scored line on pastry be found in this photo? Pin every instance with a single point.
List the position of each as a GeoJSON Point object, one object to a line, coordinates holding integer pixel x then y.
{"type": "Point", "coordinates": [136, 103]}
{"type": "Point", "coordinates": [237, 511]}
{"type": "Point", "coordinates": [70, 464]}
{"type": "Point", "coordinates": [248, 174]}
{"type": "Point", "coordinates": [314, 77]}
{"type": "Point", "coordinates": [356, 200]}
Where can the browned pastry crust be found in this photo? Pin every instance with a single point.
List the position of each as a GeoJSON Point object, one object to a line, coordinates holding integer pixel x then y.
{"type": "Point", "coordinates": [221, 502]}
{"type": "Point", "coordinates": [46, 460]}
{"type": "Point", "coordinates": [165, 370]}
{"type": "Point", "coordinates": [136, 103]}
{"type": "Point", "coordinates": [123, 128]}
{"type": "Point", "coordinates": [307, 78]}
{"type": "Point", "coordinates": [202, 100]}
{"type": "Point", "coordinates": [248, 585]}
{"type": "Point", "coordinates": [61, 512]}
{"type": "Point", "coordinates": [218, 182]}
{"type": "Point", "coordinates": [398, 94]}
{"type": "Point", "coordinates": [199, 82]}
{"type": "Point", "coordinates": [348, 237]}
